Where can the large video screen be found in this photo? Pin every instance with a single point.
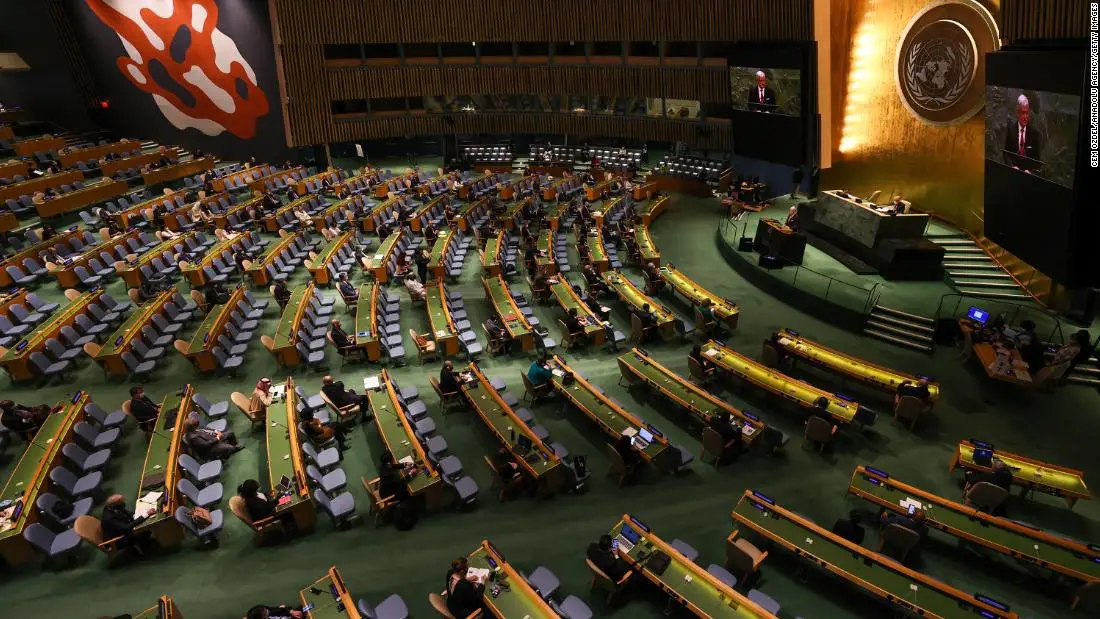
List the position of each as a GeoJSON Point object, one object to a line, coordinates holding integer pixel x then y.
{"type": "Point", "coordinates": [1033, 132]}
{"type": "Point", "coordinates": [769, 90]}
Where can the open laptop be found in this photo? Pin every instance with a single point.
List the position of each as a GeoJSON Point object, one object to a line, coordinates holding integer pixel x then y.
{"type": "Point", "coordinates": [627, 537]}
{"type": "Point", "coordinates": [523, 444]}
{"type": "Point", "coordinates": [642, 439]}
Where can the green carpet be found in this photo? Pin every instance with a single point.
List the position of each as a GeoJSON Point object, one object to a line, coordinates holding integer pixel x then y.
{"type": "Point", "coordinates": [224, 582]}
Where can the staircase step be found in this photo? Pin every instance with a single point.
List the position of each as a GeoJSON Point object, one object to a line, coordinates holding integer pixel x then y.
{"type": "Point", "coordinates": [973, 264]}
{"type": "Point", "coordinates": [998, 274]}
{"type": "Point", "coordinates": [1084, 380]}
{"type": "Point", "coordinates": [981, 283]}
{"type": "Point", "coordinates": [897, 340]}
{"type": "Point", "coordinates": [906, 330]}
{"type": "Point", "coordinates": [995, 295]}
{"type": "Point", "coordinates": [972, 249]}
{"type": "Point", "coordinates": [882, 309]}
{"type": "Point", "coordinates": [953, 242]}
{"type": "Point", "coordinates": [1086, 371]}
{"type": "Point", "coordinates": [918, 330]}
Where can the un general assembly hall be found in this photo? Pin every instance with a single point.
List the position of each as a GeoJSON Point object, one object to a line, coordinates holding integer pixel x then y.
{"type": "Point", "coordinates": [549, 309]}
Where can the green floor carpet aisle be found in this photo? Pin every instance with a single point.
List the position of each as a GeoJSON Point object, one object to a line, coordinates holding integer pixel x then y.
{"type": "Point", "coordinates": [224, 582]}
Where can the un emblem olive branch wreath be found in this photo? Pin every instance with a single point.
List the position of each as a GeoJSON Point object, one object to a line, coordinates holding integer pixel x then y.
{"type": "Point", "coordinates": [958, 87]}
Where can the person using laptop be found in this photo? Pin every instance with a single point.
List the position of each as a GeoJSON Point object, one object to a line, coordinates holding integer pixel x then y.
{"type": "Point", "coordinates": [722, 423]}
{"type": "Point", "coordinates": [392, 476]}
{"type": "Point", "coordinates": [256, 504]}
{"type": "Point", "coordinates": [539, 371]}
{"type": "Point", "coordinates": [625, 448]}
{"type": "Point", "coordinates": [603, 555]}
{"type": "Point", "coordinates": [464, 594]}
{"type": "Point", "coordinates": [449, 380]}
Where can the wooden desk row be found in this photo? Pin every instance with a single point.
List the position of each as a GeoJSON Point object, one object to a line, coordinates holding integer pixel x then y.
{"type": "Point", "coordinates": [241, 178]}
{"type": "Point", "coordinates": [318, 267]}
{"type": "Point", "coordinates": [239, 210]}
{"type": "Point", "coordinates": [8, 221]}
{"type": "Point", "coordinates": [612, 418]}
{"type": "Point", "coordinates": [332, 175]}
{"type": "Point", "coordinates": [380, 210]}
{"type": "Point", "coordinates": [139, 210]}
{"type": "Point", "coordinates": [33, 251]}
{"type": "Point", "coordinates": [649, 210]}
{"type": "Point", "coordinates": [131, 273]}
{"type": "Point", "coordinates": [394, 184]}
{"type": "Point", "coordinates": [164, 609]}
{"type": "Point", "coordinates": [546, 256]}
{"type": "Point", "coordinates": [366, 334]}
{"type": "Point", "coordinates": [30, 476]}
{"type": "Point", "coordinates": [476, 183]}
{"type": "Point", "coordinates": [633, 296]}
{"type": "Point", "coordinates": [464, 218]}
{"type": "Point", "coordinates": [400, 438]}
{"type": "Point", "coordinates": [637, 367]}
{"type": "Point", "coordinates": [725, 310]}
{"type": "Point", "coordinates": [16, 360]}
{"type": "Point", "coordinates": [95, 191]}
{"type": "Point", "coordinates": [66, 272]}
{"type": "Point", "coordinates": [39, 144]}
{"type": "Point", "coordinates": [378, 265]}
{"type": "Point", "coordinates": [362, 181]}
{"type": "Point", "coordinates": [348, 206]}
{"type": "Point", "coordinates": [329, 598]}
{"type": "Point", "coordinates": [286, 331]}
{"type": "Point", "coordinates": [491, 254]}
{"type": "Point", "coordinates": [567, 298]}
{"type": "Point", "coordinates": [288, 176]}
{"type": "Point", "coordinates": [257, 268]}
{"type": "Point", "coordinates": [199, 350]}
{"type": "Point", "coordinates": [683, 580]}
{"type": "Point", "coordinates": [597, 253]}
{"type": "Point", "coordinates": [1028, 473]}
{"type": "Point", "coordinates": [114, 166]}
{"type": "Point", "coordinates": [121, 341]}
{"type": "Point", "coordinates": [886, 379]}
{"type": "Point", "coordinates": [647, 251]}
{"type": "Point", "coordinates": [195, 273]}
{"type": "Point", "coordinates": [437, 260]}
{"type": "Point", "coordinates": [161, 471]}
{"type": "Point", "coordinates": [9, 168]}
{"type": "Point", "coordinates": [512, 319]}
{"type": "Point", "coordinates": [97, 152]}
{"type": "Point", "coordinates": [270, 220]}
{"type": "Point", "coordinates": [177, 171]}
{"type": "Point", "coordinates": [440, 320]}
{"type": "Point", "coordinates": [286, 459]}
{"type": "Point", "coordinates": [519, 600]}
{"type": "Point", "coordinates": [416, 222]}
{"type": "Point", "coordinates": [35, 184]}
{"type": "Point", "coordinates": [804, 395]}
{"type": "Point", "coordinates": [540, 463]}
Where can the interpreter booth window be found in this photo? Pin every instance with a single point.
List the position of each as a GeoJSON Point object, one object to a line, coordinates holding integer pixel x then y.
{"type": "Point", "coordinates": [421, 53]}
{"type": "Point", "coordinates": [570, 52]}
{"type": "Point", "coordinates": [389, 106]}
{"type": "Point", "coordinates": [382, 53]}
{"type": "Point", "coordinates": [607, 52]}
{"type": "Point", "coordinates": [495, 53]}
{"type": "Point", "coordinates": [643, 53]}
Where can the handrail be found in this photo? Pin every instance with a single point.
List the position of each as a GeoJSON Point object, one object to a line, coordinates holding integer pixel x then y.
{"type": "Point", "coordinates": [1014, 313]}
{"type": "Point", "coordinates": [869, 296]}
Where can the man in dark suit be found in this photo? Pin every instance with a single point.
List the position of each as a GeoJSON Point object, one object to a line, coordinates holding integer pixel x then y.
{"type": "Point", "coordinates": [144, 410]}
{"type": "Point", "coordinates": [117, 521]}
{"type": "Point", "coordinates": [335, 391]}
{"type": "Point", "coordinates": [1023, 144]}
{"type": "Point", "coordinates": [604, 557]}
{"type": "Point", "coordinates": [761, 98]}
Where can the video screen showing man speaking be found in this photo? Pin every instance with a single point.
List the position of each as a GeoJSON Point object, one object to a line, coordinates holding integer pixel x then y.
{"type": "Point", "coordinates": [773, 91]}
{"type": "Point", "coordinates": [1033, 132]}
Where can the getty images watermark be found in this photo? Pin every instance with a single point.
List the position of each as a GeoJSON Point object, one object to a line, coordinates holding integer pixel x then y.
{"type": "Point", "coordinates": [1094, 84]}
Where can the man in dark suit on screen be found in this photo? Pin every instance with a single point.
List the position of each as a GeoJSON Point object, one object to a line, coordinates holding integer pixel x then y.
{"type": "Point", "coordinates": [761, 98]}
{"type": "Point", "coordinates": [1022, 147]}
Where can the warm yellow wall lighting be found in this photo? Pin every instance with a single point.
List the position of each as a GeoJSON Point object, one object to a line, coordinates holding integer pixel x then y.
{"type": "Point", "coordinates": [862, 76]}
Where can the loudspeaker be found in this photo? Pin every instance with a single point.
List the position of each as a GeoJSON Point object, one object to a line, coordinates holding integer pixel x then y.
{"type": "Point", "coordinates": [770, 262]}
{"type": "Point", "coordinates": [745, 244]}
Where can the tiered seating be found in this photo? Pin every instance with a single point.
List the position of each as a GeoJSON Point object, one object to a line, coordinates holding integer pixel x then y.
{"type": "Point", "coordinates": [137, 344]}
{"type": "Point", "coordinates": [616, 421]}
{"type": "Point", "coordinates": [479, 187]}
{"type": "Point", "coordinates": [411, 434]}
{"type": "Point", "coordinates": [217, 264]}
{"type": "Point", "coordinates": [34, 356]}
{"type": "Point", "coordinates": [93, 191]}
{"type": "Point", "coordinates": [338, 213]}
{"type": "Point", "coordinates": [362, 183]}
{"type": "Point", "coordinates": [46, 460]}
{"type": "Point", "coordinates": [448, 255]}
{"type": "Point", "coordinates": [517, 318]}
{"type": "Point", "coordinates": [664, 319]}
{"type": "Point", "coordinates": [158, 263]}
{"type": "Point", "coordinates": [377, 324]}
{"type": "Point", "coordinates": [129, 165]}
{"type": "Point", "coordinates": [279, 260]}
{"type": "Point", "coordinates": [177, 171]}
{"type": "Point", "coordinates": [301, 332]}
{"type": "Point", "coordinates": [542, 463]}
{"type": "Point", "coordinates": [27, 266]}
{"type": "Point", "coordinates": [595, 332]}
{"type": "Point", "coordinates": [277, 180]}
{"type": "Point", "coordinates": [609, 185]}
{"type": "Point", "coordinates": [724, 310]}
{"type": "Point", "coordinates": [90, 154]}
{"type": "Point", "coordinates": [562, 189]}
{"type": "Point", "coordinates": [101, 261]}
{"type": "Point", "coordinates": [687, 166]}
{"type": "Point", "coordinates": [472, 215]}
{"type": "Point", "coordinates": [383, 263]}
{"type": "Point", "coordinates": [140, 213]}
{"type": "Point", "coordinates": [499, 254]}
{"type": "Point", "coordinates": [613, 211]}
{"type": "Point", "coordinates": [384, 212]}
{"type": "Point", "coordinates": [222, 339]}
{"type": "Point", "coordinates": [395, 185]}
{"type": "Point", "coordinates": [241, 179]}
{"type": "Point", "coordinates": [42, 147]}
{"type": "Point", "coordinates": [24, 190]}
{"type": "Point", "coordinates": [431, 212]}
{"type": "Point", "coordinates": [233, 216]}
{"type": "Point", "coordinates": [20, 312]}
{"type": "Point", "coordinates": [282, 219]}
{"type": "Point", "coordinates": [337, 257]}
{"type": "Point", "coordinates": [437, 186]}
{"type": "Point", "coordinates": [313, 184]}
{"type": "Point", "coordinates": [648, 210]}
{"type": "Point", "coordinates": [448, 322]}
{"type": "Point", "coordinates": [482, 153]}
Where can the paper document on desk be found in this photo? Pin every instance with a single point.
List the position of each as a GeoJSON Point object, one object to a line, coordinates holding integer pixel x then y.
{"type": "Point", "coordinates": [407, 460]}
{"type": "Point", "coordinates": [479, 573]}
{"type": "Point", "coordinates": [784, 341]}
{"type": "Point", "coordinates": [713, 352]}
{"type": "Point", "coordinates": [557, 372]}
{"type": "Point", "coordinates": [370, 383]}
{"type": "Point", "coordinates": [631, 431]}
{"type": "Point", "coordinates": [147, 502]}
{"type": "Point", "coordinates": [907, 502]}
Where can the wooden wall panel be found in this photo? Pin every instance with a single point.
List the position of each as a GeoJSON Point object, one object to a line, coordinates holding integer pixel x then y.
{"type": "Point", "coordinates": [1044, 19]}
{"type": "Point", "coordinates": [717, 135]}
{"type": "Point", "coordinates": [360, 21]}
{"type": "Point", "coordinates": [701, 84]}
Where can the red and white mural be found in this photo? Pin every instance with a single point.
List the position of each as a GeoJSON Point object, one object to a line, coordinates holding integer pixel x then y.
{"type": "Point", "coordinates": [224, 92]}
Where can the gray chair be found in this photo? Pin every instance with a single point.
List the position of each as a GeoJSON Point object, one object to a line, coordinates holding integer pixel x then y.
{"type": "Point", "coordinates": [574, 608]}
{"type": "Point", "coordinates": [325, 460]}
{"type": "Point", "coordinates": [544, 581]}
{"type": "Point", "coordinates": [764, 601]}
{"type": "Point", "coordinates": [96, 439]}
{"type": "Point", "coordinates": [723, 575]}
{"type": "Point", "coordinates": [204, 497]}
{"type": "Point", "coordinates": [54, 545]}
{"type": "Point", "coordinates": [48, 369]}
{"type": "Point", "coordinates": [202, 473]}
{"type": "Point", "coordinates": [392, 607]}
{"type": "Point", "coordinates": [685, 549]}
{"type": "Point", "coordinates": [75, 487]}
{"type": "Point", "coordinates": [60, 353]}
{"type": "Point", "coordinates": [340, 508]}
{"type": "Point", "coordinates": [86, 462]}
{"type": "Point", "coordinates": [214, 410]}
{"type": "Point", "coordinates": [332, 482]}
{"type": "Point", "coordinates": [103, 418]}
{"type": "Point", "coordinates": [47, 501]}
{"type": "Point", "coordinates": [207, 534]}
{"type": "Point", "coordinates": [464, 487]}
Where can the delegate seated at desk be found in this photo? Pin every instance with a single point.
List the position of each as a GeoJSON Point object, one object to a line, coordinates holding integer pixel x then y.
{"type": "Point", "coordinates": [603, 556]}
{"type": "Point", "coordinates": [347, 290]}
{"type": "Point", "coordinates": [449, 380]}
{"type": "Point", "coordinates": [914, 523]}
{"type": "Point", "coordinates": [1001, 476]}
{"type": "Point", "coordinates": [625, 448]}
{"type": "Point", "coordinates": [704, 362]}
{"type": "Point", "coordinates": [117, 521]}
{"type": "Point", "coordinates": [539, 372]}
{"type": "Point", "coordinates": [464, 595]}
{"type": "Point", "coordinates": [209, 444]}
{"type": "Point", "coordinates": [722, 423]}
{"type": "Point", "coordinates": [573, 323]}
{"type": "Point", "coordinates": [23, 420]}
{"type": "Point", "coordinates": [341, 396]}
{"type": "Point", "coordinates": [144, 410]}
{"type": "Point", "coordinates": [273, 612]}
{"type": "Point", "coordinates": [339, 336]}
